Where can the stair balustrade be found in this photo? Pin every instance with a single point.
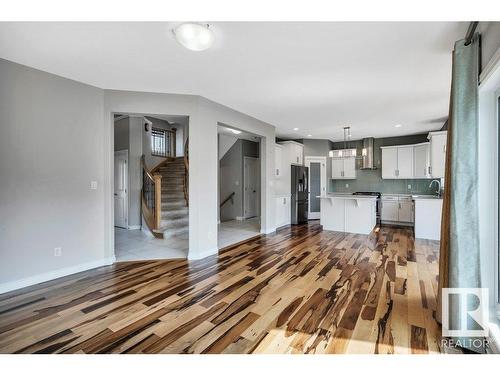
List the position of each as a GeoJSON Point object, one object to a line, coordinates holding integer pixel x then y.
{"type": "Point", "coordinates": [151, 197]}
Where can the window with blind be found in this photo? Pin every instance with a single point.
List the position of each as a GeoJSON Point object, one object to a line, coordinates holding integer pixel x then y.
{"type": "Point", "coordinates": [159, 142]}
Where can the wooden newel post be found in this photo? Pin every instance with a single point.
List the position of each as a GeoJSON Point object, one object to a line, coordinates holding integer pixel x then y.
{"type": "Point", "coordinates": [157, 180]}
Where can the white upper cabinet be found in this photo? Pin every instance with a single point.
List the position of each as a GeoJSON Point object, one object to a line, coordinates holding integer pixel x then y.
{"type": "Point", "coordinates": [405, 162]}
{"type": "Point", "coordinates": [438, 153]}
{"type": "Point", "coordinates": [278, 161]}
{"type": "Point", "coordinates": [337, 168]}
{"type": "Point", "coordinates": [294, 152]}
{"type": "Point", "coordinates": [397, 162]}
{"type": "Point", "coordinates": [343, 164]}
{"type": "Point", "coordinates": [421, 160]}
{"type": "Point", "coordinates": [350, 167]}
{"type": "Point", "coordinates": [390, 162]}
{"type": "Point", "coordinates": [343, 168]}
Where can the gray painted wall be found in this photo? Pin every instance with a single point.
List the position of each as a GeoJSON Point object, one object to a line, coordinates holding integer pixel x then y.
{"type": "Point", "coordinates": [371, 180]}
{"type": "Point", "coordinates": [204, 116]}
{"type": "Point", "coordinates": [135, 171]}
{"type": "Point", "coordinates": [45, 195]}
{"type": "Point", "coordinates": [231, 181]}
{"type": "Point", "coordinates": [51, 148]}
{"type": "Point", "coordinates": [122, 134]}
{"type": "Point", "coordinates": [128, 136]}
{"type": "Point", "coordinates": [319, 147]}
{"type": "Point", "coordinates": [490, 41]}
{"type": "Point", "coordinates": [231, 177]}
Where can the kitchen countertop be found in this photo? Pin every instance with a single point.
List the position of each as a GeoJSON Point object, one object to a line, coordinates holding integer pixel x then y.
{"type": "Point", "coordinates": [346, 196]}
{"type": "Point", "coordinates": [426, 197]}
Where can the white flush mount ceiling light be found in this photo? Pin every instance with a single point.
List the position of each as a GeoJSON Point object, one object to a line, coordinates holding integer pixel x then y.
{"type": "Point", "coordinates": [295, 129]}
{"type": "Point", "coordinates": [398, 125]}
{"type": "Point", "coordinates": [194, 36]}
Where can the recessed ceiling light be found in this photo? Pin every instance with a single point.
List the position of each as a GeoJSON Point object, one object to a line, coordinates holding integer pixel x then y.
{"type": "Point", "coordinates": [309, 135]}
{"type": "Point", "coordinates": [194, 36]}
{"type": "Point", "coordinates": [295, 129]}
{"type": "Point", "coordinates": [398, 125]}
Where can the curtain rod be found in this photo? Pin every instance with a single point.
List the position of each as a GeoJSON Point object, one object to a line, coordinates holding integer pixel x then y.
{"type": "Point", "coordinates": [470, 32]}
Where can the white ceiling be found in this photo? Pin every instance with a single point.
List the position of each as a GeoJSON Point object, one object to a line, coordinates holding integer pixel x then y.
{"type": "Point", "coordinates": [315, 76]}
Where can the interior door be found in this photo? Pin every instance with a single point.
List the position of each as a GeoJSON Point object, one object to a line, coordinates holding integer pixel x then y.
{"type": "Point", "coordinates": [121, 189]}
{"type": "Point", "coordinates": [317, 184]}
{"type": "Point", "coordinates": [251, 186]}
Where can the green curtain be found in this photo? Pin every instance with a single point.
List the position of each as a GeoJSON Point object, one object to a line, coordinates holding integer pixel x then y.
{"type": "Point", "coordinates": [459, 257]}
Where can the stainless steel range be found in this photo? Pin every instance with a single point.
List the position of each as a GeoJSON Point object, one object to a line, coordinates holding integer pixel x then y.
{"type": "Point", "coordinates": [378, 195]}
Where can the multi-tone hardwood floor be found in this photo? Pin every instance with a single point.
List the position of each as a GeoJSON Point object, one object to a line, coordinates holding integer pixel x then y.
{"type": "Point", "coordinates": [302, 290]}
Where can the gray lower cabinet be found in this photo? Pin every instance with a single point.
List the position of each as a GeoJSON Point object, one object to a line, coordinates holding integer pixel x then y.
{"type": "Point", "coordinates": [398, 210]}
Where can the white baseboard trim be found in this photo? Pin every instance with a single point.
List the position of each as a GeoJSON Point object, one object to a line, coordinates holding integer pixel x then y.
{"type": "Point", "coordinates": [203, 254]}
{"type": "Point", "coordinates": [37, 279]}
{"type": "Point", "coordinates": [134, 227]}
{"type": "Point", "coordinates": [268, 230]}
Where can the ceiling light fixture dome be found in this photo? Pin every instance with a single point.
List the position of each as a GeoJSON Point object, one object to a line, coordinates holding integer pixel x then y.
{"type": "Point", "coordinates": [194, 36]}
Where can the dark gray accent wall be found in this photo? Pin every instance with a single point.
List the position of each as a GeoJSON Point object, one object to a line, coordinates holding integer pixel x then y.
{"type": "Point", "coordinates": [371, 180]}
{"type": "Point", "coordinates": [231, 177]}
{"type": "Point", "coordinates": [319, 147]}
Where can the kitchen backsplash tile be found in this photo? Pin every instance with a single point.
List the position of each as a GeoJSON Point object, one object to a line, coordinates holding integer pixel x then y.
{"type": "Point", "coordinates": [371, 180]}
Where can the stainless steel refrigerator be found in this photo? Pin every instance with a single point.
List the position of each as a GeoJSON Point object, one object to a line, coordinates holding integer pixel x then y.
{"type": "Point", "coordinates": [300, 194]}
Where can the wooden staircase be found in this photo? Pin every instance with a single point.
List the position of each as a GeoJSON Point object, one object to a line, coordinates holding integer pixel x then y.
{"type": "Point", "coordinates": [165, 197]}
{"type": "Point", "coordinates": [174, 209]}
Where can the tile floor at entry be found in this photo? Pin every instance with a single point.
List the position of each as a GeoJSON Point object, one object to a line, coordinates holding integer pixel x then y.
{"type": "Point", "coordinates": [140, 245]}
{"type": "Point", "coordinates": [234, 231]}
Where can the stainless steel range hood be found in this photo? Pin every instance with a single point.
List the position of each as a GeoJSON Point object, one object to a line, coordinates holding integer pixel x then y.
{"type": "Point", "coordinates": [367, 154]}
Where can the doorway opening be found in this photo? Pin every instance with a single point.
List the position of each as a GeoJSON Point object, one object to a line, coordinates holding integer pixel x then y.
{"type": "Point", "coordinates": [239, 185]}
{"type": "Point", "coordinates": [151, 164]}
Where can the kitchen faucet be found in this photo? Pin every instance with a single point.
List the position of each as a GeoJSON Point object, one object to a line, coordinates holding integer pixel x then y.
{"type": "Point", "coordinates": [438, 192]}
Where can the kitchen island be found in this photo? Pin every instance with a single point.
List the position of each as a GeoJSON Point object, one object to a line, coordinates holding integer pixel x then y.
{"type": "Point", "coordinates": [428, 216]}
{"type": "Point", "coordinates": [348, 213]}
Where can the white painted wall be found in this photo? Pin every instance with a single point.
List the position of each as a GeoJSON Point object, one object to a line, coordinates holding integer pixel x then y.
{"type": "Point", "coordinates": [51, 148]}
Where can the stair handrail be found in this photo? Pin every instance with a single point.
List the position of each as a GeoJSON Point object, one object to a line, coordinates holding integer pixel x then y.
{"type": "Point", "coordinates": [151, 196]}
{"type": "Point", "coordinates": [230, 197]}
{"type": "Point", "coordinates": [186, 171]}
